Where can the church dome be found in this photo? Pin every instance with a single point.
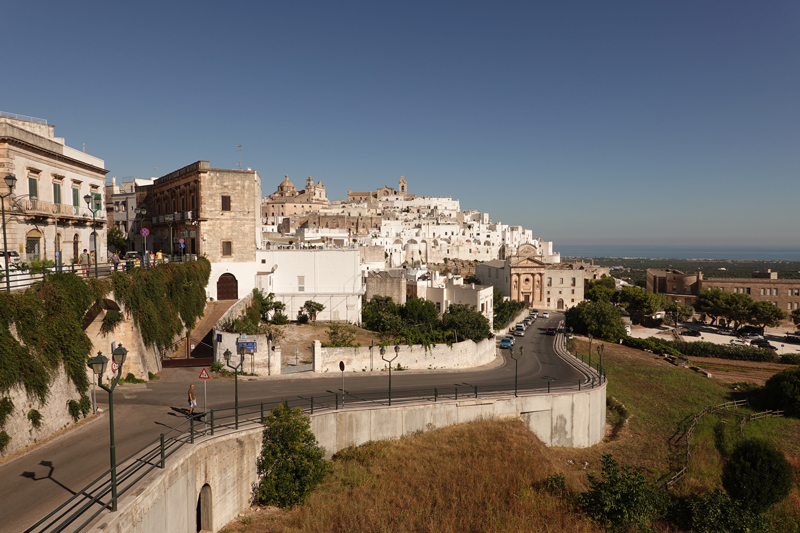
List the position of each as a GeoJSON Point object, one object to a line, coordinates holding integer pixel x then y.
{"type": "Point", "coordinates": [286, 185]}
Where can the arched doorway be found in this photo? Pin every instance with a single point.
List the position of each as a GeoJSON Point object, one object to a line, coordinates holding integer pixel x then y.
{"type": "Point", "coordinates": [33, 242]}
{"type": "Point", "coordinates": [560, 304]}
{"type": "Point", "coordinates": [227, 287]}
{"type": "Point", "coordinates": [204, 507]}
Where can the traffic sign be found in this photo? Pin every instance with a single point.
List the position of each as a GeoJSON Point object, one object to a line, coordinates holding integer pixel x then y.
{"type": "Point", "coordinates": [341, 366]}
{"type": "Point", "coordinates": [181, 240]}
{"type": "Point", "coordinates": [145, 232]}
{"type": "Point", "coordinates": [204, 374]}
{"type": "Point", "coordinates": [114, 367]}
{"type": "Point", "coordinates": [248, 345]}
{"type": "Point", "coordinates": [183, 246]}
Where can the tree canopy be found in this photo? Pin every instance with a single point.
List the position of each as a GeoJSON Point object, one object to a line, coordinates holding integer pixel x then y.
{"type": "Point", "coordinates": [601, 319]}
{"type": "Point", "coordinates": [639, 303]}
{"type": "Point", "coordinates": [738, 308]}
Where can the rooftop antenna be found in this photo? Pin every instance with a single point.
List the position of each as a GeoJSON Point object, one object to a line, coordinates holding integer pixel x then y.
{"type": "Point", "coordinates": [239, 149]}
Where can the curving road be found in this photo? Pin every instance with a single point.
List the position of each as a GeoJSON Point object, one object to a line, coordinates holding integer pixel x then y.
{"type": "Point", "coordinates": [39, 481]}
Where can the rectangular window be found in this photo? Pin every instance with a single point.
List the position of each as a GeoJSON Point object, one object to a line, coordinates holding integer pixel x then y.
{"type": "Point", "coordinates": [438, 307]}
{"type": "Point", "coordinates": [301, 284]}
{"type": "Point", "coordinates": [549, 282]}
{"type": "Point", "coordinates": [748, 290]}
{"type": "Point", "coordinates": [762, 292]}
{"type": "Point", "coordinates": [226, 203]}
{"type": "Point", "coordinates": [227, 248]}
{"type": "Point", "coordinates": [789, 306]}
{"type": "Point", "coordinates": [33, 188]}
{"type": "Point", "coordinates": [56, 193]}
{"type": "Point", "coordinates": [97, 200]}
{"type": "Point", "coordinates": [573, 283]}
{"type": "Point", "coordinates": [75, 197]}
{"type": "Point", "coordinates": [561, 281]}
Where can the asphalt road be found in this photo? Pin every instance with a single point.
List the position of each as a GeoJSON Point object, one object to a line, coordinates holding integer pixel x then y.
{"type": "Point", "coordinates": [39, 481]}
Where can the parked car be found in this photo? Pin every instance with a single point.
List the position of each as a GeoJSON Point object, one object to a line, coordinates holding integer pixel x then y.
{"type": "Point", "coordinates": [740, 342]}
{"type": "Point", "coordinates": [507, 342]}
{"type": "Point", "coordinates": [751, 335]}
{"type": "Point", "coordinates": [794, 339]}
{"type": "Point", "coordinates": [550, 331]}
{"type": "Point", "coordinates": [545, 315]}
{"type": "Point", "coordinates": [132, 255]}
{"type": "Point", "coordinates": [13, 257]}
{"type": "Point", "coordinates": [519, 332]}
{"type": "Point", "coordinates": [690, 333]}
{"type": "Point", "coordinates": [762, 343]}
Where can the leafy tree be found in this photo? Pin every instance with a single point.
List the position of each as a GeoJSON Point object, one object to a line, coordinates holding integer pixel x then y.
{"type": "Point", "coordinates": [676, 313]}
{"type": "Point", "coordinates": [418, 311]}
{"type": "Point", "coordinates": [712, 302]}
{"type": "Point", "coordinates": [605, 281]}
{"type": "Point", "coordinates": [757, 475]}
{"type": "Point", "coordinates": [715, 512]}
{"type": "Point", "coordinates": [765, 314]}
{"type": "Point", "coordinates": [601, 319]}
{"type": "Point", "coordinates": [639, 303]}
{"type": "Point", "coordinates": [504, 310]}
{"type": "Point", "coordinates": [622, 497]}
{"type": "Point", "coordinates": [381, 314]}
{"type": "Point", "coordinates": [340, 336]}
{"type": "Point", "coordinates": [796, 317]}
{"type": "Point", "coordinates": [116, 239]}
{"type": "Point", "coordinates": [312, 308]}
{"type": "Point", "coordinates": [467, 322]}
{"type": "Point", "coordinates": [782, 391]}
{"type": "Point", "coordinates": [291, 463]}
{"type": "Point", "coordinates": [601, 293]}
{"type": "Point", "coordinates": [265, 305]}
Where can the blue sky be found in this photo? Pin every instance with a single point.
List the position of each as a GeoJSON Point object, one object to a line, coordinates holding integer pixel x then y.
{"type": "Point", "coordinates": [588, 122]}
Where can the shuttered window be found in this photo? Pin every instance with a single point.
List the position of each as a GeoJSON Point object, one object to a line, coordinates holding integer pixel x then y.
{"type": "Point", "coordinates": [226, 203]}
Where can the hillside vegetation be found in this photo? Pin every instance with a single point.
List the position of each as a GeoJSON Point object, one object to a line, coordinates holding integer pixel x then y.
{"type": "Point", "coordinates": [497, 476]}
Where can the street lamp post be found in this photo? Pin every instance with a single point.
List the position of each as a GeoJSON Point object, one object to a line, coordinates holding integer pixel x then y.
{"type": "Point", "coordinates": [98, 365]}
{"type": "Point", "coordinates": [170, 219]}
{"type": "Point", "coordinates": [591, 338]}
{"type": "Point", "coordinates": [600, 353]}
{"type": "Point", "coordinates": [141, 212]}
{"type": "Point", "coordinates": [88, 199]}
{"type": "Point", "coordinates": [516, 365]}
{"type": "Point", "coordinates": [11, 180]}
{"type": "Point", "coordinates": [396, 353]}
{"type": "Point", "coordinates": [236, 370]}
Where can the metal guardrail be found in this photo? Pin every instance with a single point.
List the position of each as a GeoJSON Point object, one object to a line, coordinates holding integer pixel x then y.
{"type": "Point", "coordinates": [80, 510]}
{"type": "Point", "coordinates": [20, 279]}
{"type": "Point", "coordinates": [26, 118]}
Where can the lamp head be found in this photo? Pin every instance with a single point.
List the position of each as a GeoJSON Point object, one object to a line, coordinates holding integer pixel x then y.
{"type": "Point", "coordinates": [383, 350]}
{"type": "Point", "coordinates": [11, 180]}
{"type": "Point", "coordinates": [397, 348]}
{"type": "Point", "coordinates": [87, 199]}
{"type": "Point", "coordinates": [119, 354]}
{"type": "Point", "coordinates": [227, 355]}
{"type": "Point", "coordinates": [98, 364]}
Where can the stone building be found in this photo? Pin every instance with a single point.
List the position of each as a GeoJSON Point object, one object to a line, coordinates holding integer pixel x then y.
{"type": "Point", "coordinates": [763, 286]}
{"type": "Point", "coordinates": [287, 200]}
{"type": "Point", "coordinates": [383, 192]}
{"type": "Point", "coordinates": [121, 207]}
{"type": "Point", "coordinates": [523, 277]}
{"type": "Point", "coordinates": [46, 214]}
{"type": "Point", "coordinates": [215, 212]}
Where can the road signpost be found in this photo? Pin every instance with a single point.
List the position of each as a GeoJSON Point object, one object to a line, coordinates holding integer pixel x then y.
{"type": "Point", "coordinates": [205, 377]}
{"type": "Point", "coordinates": [341, 367]}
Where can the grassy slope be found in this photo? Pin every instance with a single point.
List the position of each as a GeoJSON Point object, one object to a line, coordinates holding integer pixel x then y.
{"type": "Point", "coordinates": [486, 476]}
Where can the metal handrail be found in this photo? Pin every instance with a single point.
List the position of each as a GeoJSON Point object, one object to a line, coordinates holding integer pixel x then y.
{"type": "Point", "coordinates": [154, 454]}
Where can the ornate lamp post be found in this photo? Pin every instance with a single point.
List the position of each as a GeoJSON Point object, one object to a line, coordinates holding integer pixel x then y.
{"type": "Point", "coordinates": [591, 338]}
{"type": "Point", "coordinates": [236, 369]}
{"type": "Point", "coordinates": [396, 353]}
{"type": "Point", "coordinates": [10, 180]}
{"type": "Point", "coordinates": [98, 365]}
{"type": "Point", "coordinates": [88, 199]}
{"type": "Point", "coordinates": [600, 353]}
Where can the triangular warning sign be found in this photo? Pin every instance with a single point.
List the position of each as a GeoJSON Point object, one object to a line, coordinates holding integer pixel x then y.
{"type": "Point", "coordinates": [204, 374]}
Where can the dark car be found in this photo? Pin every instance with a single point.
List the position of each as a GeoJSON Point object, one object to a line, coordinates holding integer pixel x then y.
{"type": "Point", "coordinates": [795, 339]}
{"type": "Point", "coordinates": [690, 333]}
{"type": "Point", "coordinates": [761, 343]}
{"type": "Point", "coordinates": [550, 331]}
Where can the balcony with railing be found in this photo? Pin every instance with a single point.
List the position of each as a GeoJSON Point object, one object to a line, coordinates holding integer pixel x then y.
{"type": "Point", "coordinates": [36, 207]}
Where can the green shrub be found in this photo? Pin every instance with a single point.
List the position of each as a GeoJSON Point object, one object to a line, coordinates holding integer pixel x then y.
{"type": "Point", "coordinates": [36, 418]}
{"type": "Point", "coordinates": [6, 408]}
{"type": "Point", "coordinates": [790, 359]}
{"type": "Point", "coordinates": [555, 483]}
{"type": "Point", "coordinates": [152, 377]}
{"type": "Point", "coordinates": [217, 366]}
{"type": "Point", "coordinates": [291, 463]}
{"type": "Point", "coordinates": [757, 475]}
{"type": "Point", "coordinates": [622, 497]}
{"type": "Point", "coordinates": [340, 336]}
{"type": "Point", "coordinates": [130, 378]}
{"type": "Point", "coordinates": [715, 512]}
{"type": "Point", "coordinates": [279, 319]}
{"type": "Point", "coordinates": [782, 391]}
{"type": "Point", "coordinates": [302, 318]}
{"type": "Point", "coordinates": [85, 405]}
{"type": "Point", "coordinates": [5, 440]}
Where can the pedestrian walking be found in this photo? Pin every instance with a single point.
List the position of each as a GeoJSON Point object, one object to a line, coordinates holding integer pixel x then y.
{"type": "Point", "coordinates": [115, 261]}
{"type": "Point", "coordinates": [152, 258]}
{"type": "Point", "coordinates": [84, 262]}
{"type": "Point", "coordinates": [192, 399]}
{"type": "Point", "coordinates": [159, 257]}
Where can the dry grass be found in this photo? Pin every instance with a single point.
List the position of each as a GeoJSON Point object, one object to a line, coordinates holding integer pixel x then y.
{"type": "Point", "coordinates": [483, 477]}
{"type": "Point", "coordinates": [298, 338]}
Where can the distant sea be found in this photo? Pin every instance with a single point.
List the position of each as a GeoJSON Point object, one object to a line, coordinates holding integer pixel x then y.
{"type": "Point", "coordinates": [681, 252]}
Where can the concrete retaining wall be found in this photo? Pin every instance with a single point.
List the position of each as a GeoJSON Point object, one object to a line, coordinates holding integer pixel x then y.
{"type": "Point", "coordinates": [465, 354]}
{"type": "Point", "coordinates": [264, 362]}
{"type": "Point", "coordinates": [168, 500]}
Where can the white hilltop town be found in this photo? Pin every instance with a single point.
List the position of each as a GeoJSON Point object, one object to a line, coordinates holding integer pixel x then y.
{"type": "Point", "coordinates": [294, 243]}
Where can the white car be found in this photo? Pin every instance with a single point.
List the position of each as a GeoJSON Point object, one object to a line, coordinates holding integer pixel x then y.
{"type": "Point", "coordinates": [545, 315]}
{"type": "Point", "coordinates": [740, 342]}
